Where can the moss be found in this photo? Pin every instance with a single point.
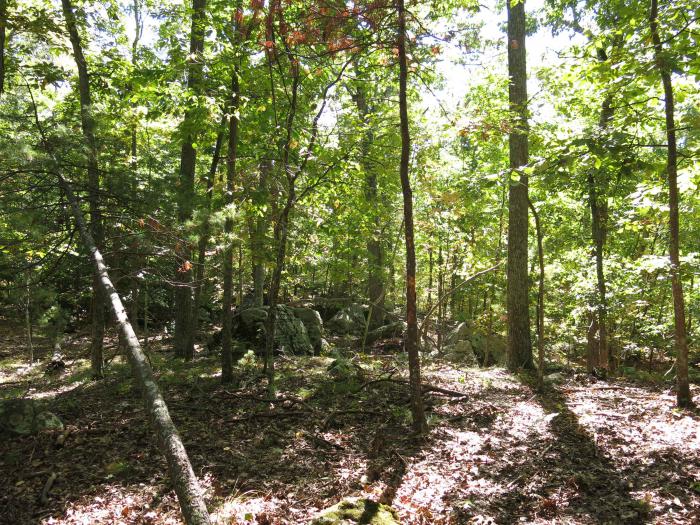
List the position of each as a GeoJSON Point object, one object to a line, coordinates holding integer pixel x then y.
{"type": "Point", "coordinates": [359, 511]}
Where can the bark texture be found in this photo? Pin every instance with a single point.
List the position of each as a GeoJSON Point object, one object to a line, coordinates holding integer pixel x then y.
{"type": "Point", "coordinates": [519, 340]}
{"type": "Point", "coordinates": [540, 297]}
{"type": "Point", "coordinates": [231, 157]}
{"type": "Point", "coordinates": [684, 399]}
{"type": "Point", "coordinates": [184, 311]}
{"type": "Point", "coordinates": [375, 259]}
{"type": "Point", "coordinates": [87, 122]}
{"type": "Point", "coordinates": [3, 27]}
{"type": "Point", "coordinates": [202, 245]}
{"type": "Point", "coordinates": [184, 481]}
{"type": "Point", "coordinates": [411, 341]}
{"type": "Point", "coordinates": [597, 199]}
{"type": "Point", "coordinates": [257, 226]}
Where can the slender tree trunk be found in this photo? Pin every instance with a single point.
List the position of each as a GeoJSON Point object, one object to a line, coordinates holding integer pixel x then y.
{"type": "Point", "coordinates": [540, 298]}
{"type": "Point", "coordinates": [3, 28]}
{"type": "Point", "coordinates": [281, 235]}
{"type": "Point", "coordinates": [440, 292]}
{"type": "Point", "coordinates": [87, 121]}
{"type": "Point", "coordinates": [598, 205]}
{"type": "Point", "coordinates": [411, 341]}
{"type": "Point", "coordinates": [258, 227]}
{"type": "Point", "coordinates": [184, 337]}
{"type": "Point", "coordinates": [28, 318]}
{"type": "Point", "coordinates": [185, 483]}
{"type": "Point", "coordinates": [231, 158]}
{"type": "Point", "coordinates": [203, 243]}
{"type": "Point", "coordinates": [519, 341]}
{"type": "Point", "coordinates": [374, 245]}
{"type": "Point", "coordinates": [683, 397]}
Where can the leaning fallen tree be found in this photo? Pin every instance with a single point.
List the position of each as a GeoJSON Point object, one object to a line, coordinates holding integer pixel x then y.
{"type": "Point", "coordinates": [185, 483]}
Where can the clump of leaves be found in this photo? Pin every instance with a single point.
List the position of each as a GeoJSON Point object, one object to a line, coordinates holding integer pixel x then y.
{"type": "Point", "coordinates": [249, 361]}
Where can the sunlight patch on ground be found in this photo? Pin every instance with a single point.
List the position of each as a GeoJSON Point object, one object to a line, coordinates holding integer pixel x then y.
{"type": "Point", "coordinates": [115, 504]}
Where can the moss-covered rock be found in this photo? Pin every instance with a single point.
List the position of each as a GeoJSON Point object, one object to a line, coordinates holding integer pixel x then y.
{"type": "Point", "coordinates": [353, 511]}
{"type": "Point", "coordinates": [24, 417]}
{"type": "Point", "coordinates": [314, 326]}
{"type": "Point", "coordinates": [350, 320]}
{"type": "Point", "coordinates": [290, 333]}
{"type": "Point", "coordinates": [387, 331]}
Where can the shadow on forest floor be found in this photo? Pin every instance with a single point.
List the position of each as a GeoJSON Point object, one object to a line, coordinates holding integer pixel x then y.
{"type": "Point", "coordinates": [604, 453]}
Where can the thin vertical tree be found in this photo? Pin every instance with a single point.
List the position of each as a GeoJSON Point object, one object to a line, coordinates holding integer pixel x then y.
{"type": "Point", "coordinates": [87, 121]}
{"type": "Point", "coordinates": [411, 341]}
{"type": "Point", "coordinates": [519, 339]}
{"type": "Point", "coordinates": [231, 158]}
{"type": "Point", "coordinates": [3, 27]}
{"type": "Point", "coordinates": [684, 399]}
{"type": "Point", "coordinates": [257, 228]}
{"type": "Point", "coordinates": [599, 355]}
{"type": "Point", "coordinates": [184, 311]}
{"type": "Point", "coordinates": [375, 258]}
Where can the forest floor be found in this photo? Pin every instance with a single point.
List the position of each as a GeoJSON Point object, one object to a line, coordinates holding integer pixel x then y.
{"type": "Point", "coordinates": [583, 452]}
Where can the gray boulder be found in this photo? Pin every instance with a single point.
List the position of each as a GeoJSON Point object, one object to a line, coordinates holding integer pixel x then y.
{"type": "Point", "coordinates": [494, 345]}
{"type": "Point", "coordinates": [387, 331]}
{"type": "Point", "coordinates": [24, 417]}
{"type": "Point", "coordinates": [352, 511]}
{"type": "Point", "coordinates": [464, 345]}
{"type": "Point", "coordinates": [314, 326]}
{"type": "Point", "coordinates": [462, 352]}
{"type": "Point", "coordinates": [349, 320]}
{"type": "Point", "coordinates": [462, 332]}
{"type": "Point", "coordinates": [290, 333]}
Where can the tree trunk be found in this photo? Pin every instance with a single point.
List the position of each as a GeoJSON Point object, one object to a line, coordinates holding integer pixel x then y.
{"type": "Point", "coordinates": [411, 341]}
{"type": "Point", "coordinates": [258, 227]}
{"type": "Point", "coordinates": [374, 246]}
{"type": "Point", "coordinates": [203, 243]}
{"type": "Point", "coordinates": [598, 205]}
{"type": "Point", "coordinates": [28, 318]}
{"type": "Point", "coordinates": [540, 298]}
{"type": "Point", "coordinates": [519, 342]}
{"type": "Point", "coordinates": [184, 337]}
{"type": "Point", "coordinates": [281, 234]}
{"type": "Point", "coordinates": [231, 158]}
{"type": "Point", "coordinates": [88, 127]}
{"type": "Point", "coordinates": [683, 396]}
{"type": "Point", "coordinates": [184, 481]}
{"type": "Point", "coordinates": [3, 27]}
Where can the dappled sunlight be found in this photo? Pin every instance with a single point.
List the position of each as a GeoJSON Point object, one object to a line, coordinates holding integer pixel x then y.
{"type": "Point", "coordinates": [497, 450]}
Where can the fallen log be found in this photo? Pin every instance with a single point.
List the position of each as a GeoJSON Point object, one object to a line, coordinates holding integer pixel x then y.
{"type": "Point", "coordinates": [185, 483]}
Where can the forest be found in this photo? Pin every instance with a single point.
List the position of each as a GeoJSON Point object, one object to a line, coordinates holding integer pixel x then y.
{"type": "Point", "coordinates": [335, 262]}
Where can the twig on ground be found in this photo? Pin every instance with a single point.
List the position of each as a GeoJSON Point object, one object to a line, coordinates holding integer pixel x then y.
{"type": "Point", "coordinates": [44, 498]}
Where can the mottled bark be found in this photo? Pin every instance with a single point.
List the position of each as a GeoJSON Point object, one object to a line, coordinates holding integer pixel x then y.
{"type": "Point", "coordinates": [683, 395]}
{"type": "Point", "coordinates": [184, 481]}
{"type": "Point", "coordinates": [87, 122]}
{"type": "Point", "coordinates": [3, 29]}
{"type": "Point", "coordinates": [375, 263]}
{"type": "Point", "coordinates": [231, 158]}
{"type": "Point", "coordinates": [540, 297]}
{"type": "Point", "coordinates": [519, 341]}
{"type": "Point", "coordinates": [257, 227]}
{"type": "Point", "coordinates": [411, 340]}
{"type": "Point", "coordinates": [203, 243]}
{"type": "Point", "coordinates": [184, 336]}
{"type": "Point", "coordinates": [597, 199]}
